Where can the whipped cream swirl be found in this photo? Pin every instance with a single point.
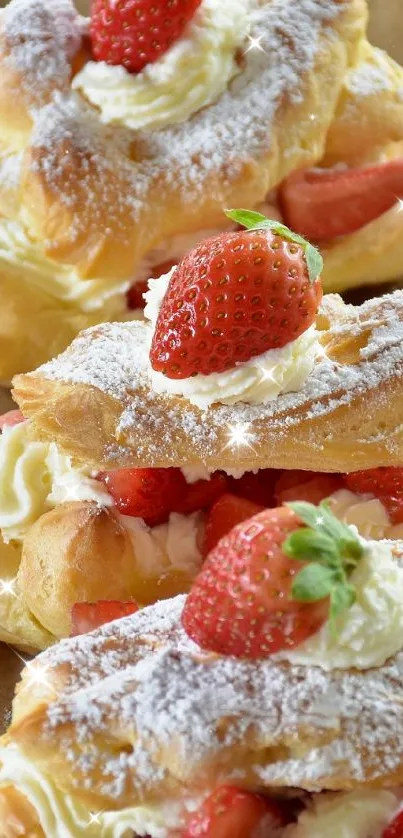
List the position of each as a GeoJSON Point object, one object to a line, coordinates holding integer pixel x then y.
{"type": "Point", "coordinates": [35, 477]}
{"type": "Point", "coordinates": [257, 381]}
{"type": "Point", "coordinates": [369, 632]}
{"type": "Point", "coordinates": [192, 74]}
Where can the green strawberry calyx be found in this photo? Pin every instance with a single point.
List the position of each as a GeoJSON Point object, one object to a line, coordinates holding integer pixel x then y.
{"type": "Point", "coordinates": [256, 221]}
{"type": "Point", "coordinates": [332, 552]}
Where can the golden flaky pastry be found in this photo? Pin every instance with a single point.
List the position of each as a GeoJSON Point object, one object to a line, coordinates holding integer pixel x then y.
{"type": "Point", "coordinates": [136, 714]}
{"type": "Point", "coordinates": [96, 401]}
{"type": "Point", "coordinates": [85, 207]}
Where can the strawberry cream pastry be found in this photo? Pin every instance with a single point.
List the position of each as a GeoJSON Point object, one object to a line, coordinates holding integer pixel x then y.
{"type": "Point", "coordinates": [123, 138]}
{"type": "Point", "coordinates": [144, 443]}
{"type": "Point", "coordinates": [265, 703]}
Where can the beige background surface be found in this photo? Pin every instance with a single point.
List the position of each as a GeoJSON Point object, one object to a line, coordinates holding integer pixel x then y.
{"type": "Point", "coordinates": [387, 32]}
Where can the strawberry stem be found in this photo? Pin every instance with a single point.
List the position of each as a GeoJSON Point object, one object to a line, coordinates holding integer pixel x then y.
{"type": "Point", "coordinates": [332, 552]}
{"type": "Point", "coordinates": [256, 221]}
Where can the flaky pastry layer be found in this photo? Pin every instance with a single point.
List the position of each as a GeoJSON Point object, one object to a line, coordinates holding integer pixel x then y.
{"type": "Point", "coordinates": [100, 198]}
{"type": "Point", "coordinates": [136, 712]}
{"type": "Point", "coordinates": [97, 403]}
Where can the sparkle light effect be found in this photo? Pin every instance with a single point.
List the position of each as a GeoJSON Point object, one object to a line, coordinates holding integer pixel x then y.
{"type": "Point", "coordinates": [36, 674]}
{"type": "Point", "coordinates": [399, 204]}
{"type": "Point", "coordinates": [267, 375]}
{"type": "Point", "coordinates": [8, 588]}
{"type": "Point", "coordinates": [255, 43]}
{"type": "Point", "coordinates": [240, 435]}
{"type": "Point", "coordinates": [95, 818]}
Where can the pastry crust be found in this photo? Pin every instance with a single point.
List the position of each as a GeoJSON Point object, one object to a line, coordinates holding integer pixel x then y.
{"type": "Point", "coordinates": [137, 713]}
{"type": "Point", "coordinates": [97, 403]}
{"type": "Point", "coordinates": [78, 552]}
{"type": "Point", "coordinates": [18, 625]}
{"type": "Point", "coordinates": [99, 199]}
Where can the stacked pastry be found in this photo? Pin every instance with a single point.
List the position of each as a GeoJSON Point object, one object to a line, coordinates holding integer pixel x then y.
{"type": "Point", "coordinates": [121, 143]}
{"type": "Point", "coordinates": [264, 703]}
{"type": "Point", "coordinates": [144, 443]}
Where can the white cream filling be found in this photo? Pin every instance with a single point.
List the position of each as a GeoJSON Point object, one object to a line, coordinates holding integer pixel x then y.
{"type": "Point", "coordinates": [62, 816]}
{"type": "Point", "coordinates": [257, 381]}
{"type": "Point", "coordinates": [192, 74]}
{"type": "Point", "coordinates": [173, 545]}
{"type": "Point", "coordinates": [366, 513]}
{"type": "Point", "coordinates": [35, 477]}
{"type": "Point", "coordinates": [369, 632]}
{"type": "Point", "coordinates": [356, 814]}
{"type": "Point", "coordinates": [26, 258]}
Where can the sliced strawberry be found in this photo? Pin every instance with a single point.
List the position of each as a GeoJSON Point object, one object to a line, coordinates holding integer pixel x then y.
{"type": "Point", "coordinates": [258, 488]}
{"type": "Point", "coordinates": [135, 295]}
{"type": "Point", "coordinates": [313, 490]}
{"type": "Point", "coordinates": [13, 417]}
{"type": "Point", "coordinates": [87, 616]}
{"type": "Point", "coordinates": [325, 204]}
{"type": "Point", "coordinates": [395, 829]}
{"type": "Point", "coordinates": [289, 478]}
{"type": "Point", "coordinates": [148, 493]}
{"type": "Point", "coordinates": [227, 512]}
{"type": "Point", "coordinates": [234, 297]}
{"type": "Point", "coordinates": [232, 813]}
{"type": "Point", "coordinates": [135, 33]}
{"type": "Point", "coordinates": [386, 483]}
{"type": "Point", "coordinates": [203, 494]}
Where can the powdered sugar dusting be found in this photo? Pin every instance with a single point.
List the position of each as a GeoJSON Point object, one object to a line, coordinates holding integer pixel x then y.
{"type": "Point", "coordinates": [10, 171]}
{"type": "Point", "coordinates": [218, 140]}
{"type": "Point", "coordinates": [114, 358]}
{"type": "Point", "coordinates": [143, 674]}
{"type": "Point", "coordinates": [370, 79]}
{"type": "Point", "coordinates": [42, 38]}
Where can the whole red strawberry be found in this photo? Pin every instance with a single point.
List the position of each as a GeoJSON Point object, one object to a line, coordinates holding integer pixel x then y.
{"type": "Point", "coordinates": [386, 483]}
{"type": "Point", "coordinates": [252, 599]}
{"type": "Point", "coordinates": [135, 33]}
{"type": "Point", "coordinates": [236, 296]}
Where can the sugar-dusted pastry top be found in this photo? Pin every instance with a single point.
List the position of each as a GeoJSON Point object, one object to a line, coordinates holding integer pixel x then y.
{"type": "Point", "coordinates": [137, 710]}
{"type": "Point", "coordinates": [197, 164]}
{"type": "Point", "coordinates": [96, 400]}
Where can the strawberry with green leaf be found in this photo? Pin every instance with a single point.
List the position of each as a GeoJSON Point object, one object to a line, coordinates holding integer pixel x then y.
{"type": "Point", "coordinates": [236, 296]}
{"type": "Point", "coordinates": [252, 598]}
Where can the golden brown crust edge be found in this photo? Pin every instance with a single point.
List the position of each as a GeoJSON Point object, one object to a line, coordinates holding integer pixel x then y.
{"type": "Point", "coordinates": [366, 431]}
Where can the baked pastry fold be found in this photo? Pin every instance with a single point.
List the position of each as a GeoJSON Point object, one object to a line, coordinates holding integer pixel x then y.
{"type": "Point", "coordinates": [96, 401]}
{"type": "Point", "coordinates": [136, 714]}
{"type": "Point", "coordinates": [85, 207]}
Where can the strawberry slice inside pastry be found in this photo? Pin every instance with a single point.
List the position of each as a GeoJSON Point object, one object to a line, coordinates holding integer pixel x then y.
{"type": "Point", "coordinates": [324, 204]}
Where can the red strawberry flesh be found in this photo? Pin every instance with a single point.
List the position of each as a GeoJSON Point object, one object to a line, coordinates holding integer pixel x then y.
{"type": "Point", "coordinates": [233, 813]}
{"type": "Point", "coordinates": [87, 616]}
{"type": "Point", "coordinates": [386, 483]}
{"type": "Point", "coordinates": [395, 829]}
{"type": "Point", "coordinates": [323, 205]}
{"type": "Point", "coordinates": [13, 417]}
{"type": "Point", "coordinates": [227, 512]}
{"type": "Point", "coordinates": [148, 493]}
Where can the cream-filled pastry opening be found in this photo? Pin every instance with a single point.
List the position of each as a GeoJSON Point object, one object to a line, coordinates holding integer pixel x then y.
{"type": "Point", "coordinates": [191, 75]}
